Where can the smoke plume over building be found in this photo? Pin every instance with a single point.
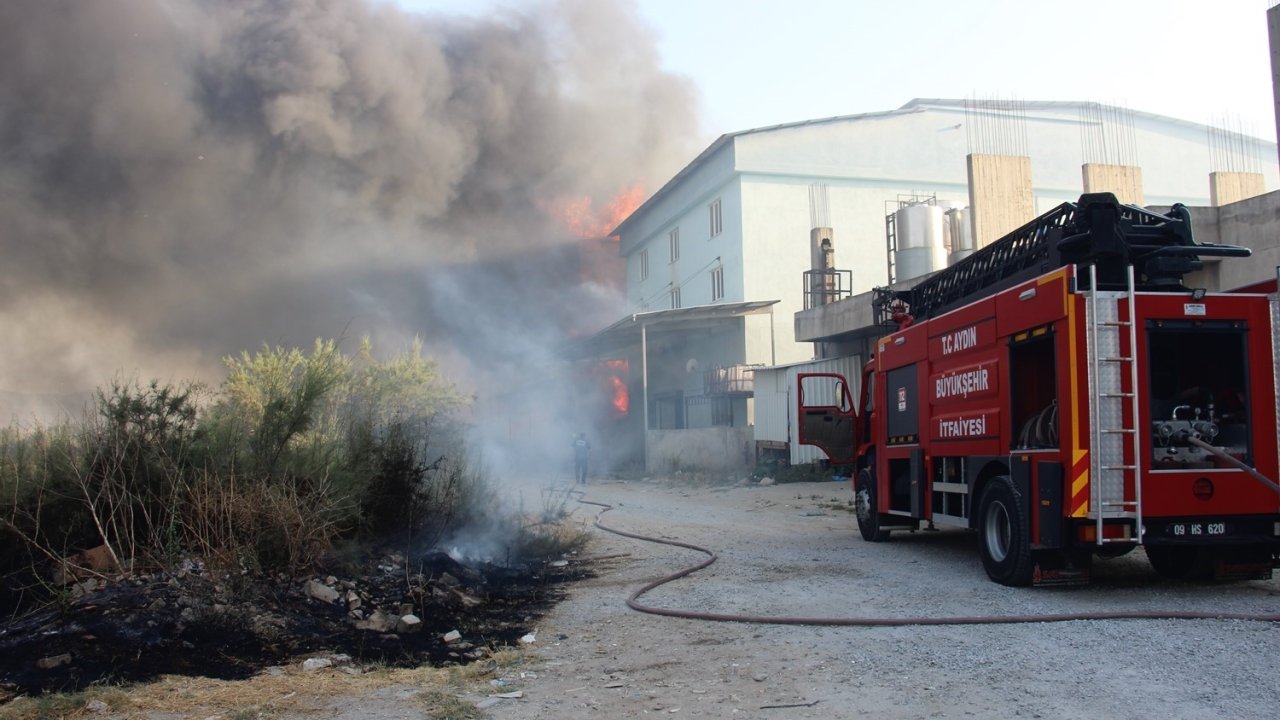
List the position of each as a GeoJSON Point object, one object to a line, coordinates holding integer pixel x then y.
{"type": "Point", "coordinates": [184, 179]}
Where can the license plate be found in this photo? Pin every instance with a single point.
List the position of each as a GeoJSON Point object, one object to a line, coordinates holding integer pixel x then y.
{"type": "Point", "coordinates": [1197, 529]}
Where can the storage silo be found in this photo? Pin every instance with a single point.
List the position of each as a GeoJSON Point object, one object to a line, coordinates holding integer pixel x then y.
{"type": "Point", "coordinates": [960, 231]}
{"type": "Point", "coordinates": [919, 234]}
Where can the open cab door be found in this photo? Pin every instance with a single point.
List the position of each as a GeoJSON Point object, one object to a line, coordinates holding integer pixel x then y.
{"type": "Point", "coordinates": [826, 415]}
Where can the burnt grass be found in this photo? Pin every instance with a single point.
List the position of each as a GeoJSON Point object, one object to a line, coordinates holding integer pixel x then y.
{"type": "Point", "coordinates": [192, 622]}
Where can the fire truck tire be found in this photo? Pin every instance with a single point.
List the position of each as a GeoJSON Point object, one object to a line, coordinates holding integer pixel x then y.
{"type": "Point", "coordinates": [864, 503]}
{"type": "Point", "coordinates": [1181, 563]}
{"type": "Point", "coordinates": [1003, 534]}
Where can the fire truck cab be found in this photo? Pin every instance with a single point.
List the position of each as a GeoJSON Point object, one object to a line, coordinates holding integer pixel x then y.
{"type": "Point", "coordinates": [1064, 395]}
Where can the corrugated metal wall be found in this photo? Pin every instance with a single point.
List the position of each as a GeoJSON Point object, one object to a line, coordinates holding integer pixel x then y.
{"type": "Point", "coordinates": [775, 396]}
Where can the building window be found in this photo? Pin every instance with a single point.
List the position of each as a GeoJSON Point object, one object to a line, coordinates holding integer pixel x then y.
{"type": "Point", "coordinates": [675, 298]}
{"type": "Point", "coordinates": [644, 264]}
{"type": "Point", "coordinates": [722, 412]}
{"type": "Point", "coordinates": [717, 284]}
{"type": "Point", "coordinates": [716, 226]}
{"type": "Point", "coordinates": [675, 244]}
{"type": "Point", "coordinates": [666, 411]}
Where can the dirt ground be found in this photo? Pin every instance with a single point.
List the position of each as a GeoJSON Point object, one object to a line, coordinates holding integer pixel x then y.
{"type": "Point", "coordinates": [794, 550]}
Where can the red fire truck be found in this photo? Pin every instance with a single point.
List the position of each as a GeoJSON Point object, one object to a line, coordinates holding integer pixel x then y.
{"type": "Point", "coordinates": [1063, 393]}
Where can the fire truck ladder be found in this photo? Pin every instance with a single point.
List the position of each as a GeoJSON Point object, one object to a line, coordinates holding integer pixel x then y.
{"type": "Point", "coordinates": [1113, 450]}
{"type": "Point", "coordinates": [1098, 230]}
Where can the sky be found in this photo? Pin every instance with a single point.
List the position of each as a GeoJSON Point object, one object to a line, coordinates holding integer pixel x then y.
{"type": "Point", "coordinates": [757, 63]}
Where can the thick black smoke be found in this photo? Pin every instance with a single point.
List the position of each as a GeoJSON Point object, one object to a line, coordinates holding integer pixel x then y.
{"type": "Point", "coordinates": [184, 179]}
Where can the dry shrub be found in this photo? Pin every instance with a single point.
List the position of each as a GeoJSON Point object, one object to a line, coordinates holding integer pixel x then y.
{"type": "Point", "coordinates": [547, 540]}
{"type": "Point", "coordinates": [440, 705]}
{"type": "Point", "coordinates": [285, 525]}
{"type": "Point", "coordinates": [295, 452]}
{"type": "Point", "coordinates": [294, 692]}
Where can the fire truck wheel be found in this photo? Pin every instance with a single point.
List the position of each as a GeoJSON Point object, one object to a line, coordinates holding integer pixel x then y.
{"type": "Point", "coordinates": [1002, 530]}
{"type": "Point", "coordinates": [1181, 563]}
{"type": "Point", "coordinates": [864, 504]}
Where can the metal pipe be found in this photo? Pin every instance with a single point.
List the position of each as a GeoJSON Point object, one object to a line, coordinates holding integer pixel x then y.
{"type": "Point", "coordinates": [1136, 440]}
{"type": "Point", "coordinates": [1252, 472]}
{"type": "Point", "coordinates": [644, 392]}
{"type": "Point", "coordinates": [1095, 412]}
{"type": "Point", "coordinates": [773, 349]}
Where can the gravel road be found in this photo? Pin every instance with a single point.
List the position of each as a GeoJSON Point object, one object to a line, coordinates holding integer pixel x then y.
{"type": "Point", "coordinates": [794, 550]}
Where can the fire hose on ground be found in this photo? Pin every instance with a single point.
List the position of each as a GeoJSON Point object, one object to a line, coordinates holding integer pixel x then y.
{"type": "Point", "coordinates": [634, 603]}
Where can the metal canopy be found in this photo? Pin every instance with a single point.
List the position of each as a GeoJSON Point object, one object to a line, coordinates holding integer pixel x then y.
{"type": "Point", "coordinates": [625, 333]}
{"type": "Point", "coordinates": [632, 332]}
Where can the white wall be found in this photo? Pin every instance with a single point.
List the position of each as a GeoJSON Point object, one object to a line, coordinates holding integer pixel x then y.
{"type": "Point", "coordinates": [716, 448]}
{"type": "Point", "coordinates": [762, 179]}
{"type": "Point", "coordinates": [868, 162]}
{"type": "Point", "coordinates": [688, 211]}
{"type": "Point", "coordinates": [776, 225]}
{"type": "Point", "coordinates": [927, 143]}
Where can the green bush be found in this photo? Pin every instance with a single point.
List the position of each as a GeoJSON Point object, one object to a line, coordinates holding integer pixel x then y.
{"type": "Point", "coordinates": [275, 406]}
{"type": "Point", "coordinates": [292, 454]}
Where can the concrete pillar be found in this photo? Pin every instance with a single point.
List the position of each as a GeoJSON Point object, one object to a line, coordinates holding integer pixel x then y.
{"type": "Point", "coordinates": [1228, 187]}
{"type": "Point", "coordinates": [822, 261]}
{"type": "Point", "coordinates": [1123, 180]}
{"type": "Point", "coordinates": [1000, 198]}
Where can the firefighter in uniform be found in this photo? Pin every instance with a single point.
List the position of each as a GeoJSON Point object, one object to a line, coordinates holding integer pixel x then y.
{"type": "Point", "coordinates": [581, 453]}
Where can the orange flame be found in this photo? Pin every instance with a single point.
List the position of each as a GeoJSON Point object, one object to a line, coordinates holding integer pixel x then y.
{"type": "Point", "coordinates": [621, 402]}
{"type": "Point", "coordinates": [585, 222]}
{"type": "Point", "coordinates": [621, 398]}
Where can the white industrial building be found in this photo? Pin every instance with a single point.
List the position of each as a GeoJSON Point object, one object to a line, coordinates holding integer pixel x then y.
{"type": "Point", "coordinates": [716, 258]}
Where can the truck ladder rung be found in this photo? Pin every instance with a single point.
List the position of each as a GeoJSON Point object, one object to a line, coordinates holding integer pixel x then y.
{"type": "Point", "coordinates": [1116, 485]}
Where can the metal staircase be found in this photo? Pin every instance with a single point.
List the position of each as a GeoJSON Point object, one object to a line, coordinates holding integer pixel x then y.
{"type": "Point", "coordinates": [1115, 468]}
